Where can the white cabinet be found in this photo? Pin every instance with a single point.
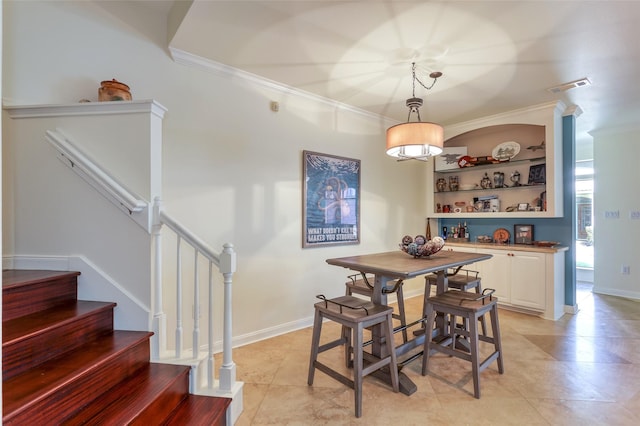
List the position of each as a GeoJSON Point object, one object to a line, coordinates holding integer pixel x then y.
{"type": "Point", "coordinates": [525, 278]}
{"type": "Point", "coordinates": [518, 277]}
{"type": "Point", "coordinates": [528, 275]}
{"type": "Point", "coordinates": [496, 274]}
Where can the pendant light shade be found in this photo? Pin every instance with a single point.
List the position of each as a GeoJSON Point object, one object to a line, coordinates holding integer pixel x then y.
{"type": "Point", "coordinates": [415, 140]}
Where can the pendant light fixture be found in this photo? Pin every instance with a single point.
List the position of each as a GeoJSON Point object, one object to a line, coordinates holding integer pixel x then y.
{"type": "Point", "coordinates": [415, 140]}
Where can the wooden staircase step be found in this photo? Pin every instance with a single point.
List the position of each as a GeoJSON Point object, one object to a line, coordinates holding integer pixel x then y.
{"type": "Point", "coordinates": [27, 291]}
{"type": "Point", "coordinates": [199, 410]}
{"type": "Point", "coordinates": [35, 338]}
{"type": "Point", "coordinates": [63, 363]}
{"type": "Point", "coordinates": [145, 398]}
{"type": "Point", "coordinates": [54, 390]}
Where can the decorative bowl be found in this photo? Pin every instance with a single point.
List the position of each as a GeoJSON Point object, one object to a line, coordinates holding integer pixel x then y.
{"type": "Point", "coordinates": [420, 247]}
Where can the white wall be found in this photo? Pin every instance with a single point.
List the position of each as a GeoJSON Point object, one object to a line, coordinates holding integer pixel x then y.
{"type": "Point", "coordinates": [232, 167]}
{"type": "Point", "coordinates": [616, 154]}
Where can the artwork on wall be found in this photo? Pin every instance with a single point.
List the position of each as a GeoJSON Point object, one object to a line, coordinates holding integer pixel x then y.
{"type": "Point", "coordinates": [449, 158]}
{"type": "Point", "coordinates": [331, 200]}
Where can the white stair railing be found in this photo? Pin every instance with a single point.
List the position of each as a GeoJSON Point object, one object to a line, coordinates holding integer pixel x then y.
{"type": "Point", "coordinates": [225, 262]}
{"type": "Point", "coordinates": [138, 210]}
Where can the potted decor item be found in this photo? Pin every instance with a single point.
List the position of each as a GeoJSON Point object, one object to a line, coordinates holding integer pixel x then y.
{"type": "Point", "coordinates": [113, 90]}
{"type": "Point", "coordinates": [485, 183]}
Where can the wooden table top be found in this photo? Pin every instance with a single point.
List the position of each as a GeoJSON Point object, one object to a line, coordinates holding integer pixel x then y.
{"type": "Point", "coordinates": [397, 264]}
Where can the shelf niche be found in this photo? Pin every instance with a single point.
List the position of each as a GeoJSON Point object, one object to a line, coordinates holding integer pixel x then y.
{"type": "Point", "coordinates": [538, 132]}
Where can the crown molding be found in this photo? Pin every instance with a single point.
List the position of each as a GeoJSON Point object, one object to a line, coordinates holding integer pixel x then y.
{"type": "Point", "coordinates": [189, 59]}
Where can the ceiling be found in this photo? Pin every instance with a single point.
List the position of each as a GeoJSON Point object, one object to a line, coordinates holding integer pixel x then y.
{"type": "Point", "coordinates": [495, 56]}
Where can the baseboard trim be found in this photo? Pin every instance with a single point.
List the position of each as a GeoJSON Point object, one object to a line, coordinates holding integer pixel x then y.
{"type": "Point", "coordinates": [617, 292]}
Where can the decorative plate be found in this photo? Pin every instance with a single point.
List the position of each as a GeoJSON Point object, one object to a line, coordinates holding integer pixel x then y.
{"type": "Point", "coordinates": [501, 236]}
{"type": "Point", "coordinates": [506, 151]}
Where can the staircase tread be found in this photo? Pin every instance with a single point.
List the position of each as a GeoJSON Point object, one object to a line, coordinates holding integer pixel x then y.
{"type": "Point", "coordinates": [196, 410]}
{"type": "Point", "coordinates": [19, 277]}
{"type": "Point", "coordinates": [132, 396]}
{"type": "Point", "coordinates": [103, 376]}
{"type": "Point", "coordinates": [52, 375]}
{"type": "Point", "coordinates": [23, 327]}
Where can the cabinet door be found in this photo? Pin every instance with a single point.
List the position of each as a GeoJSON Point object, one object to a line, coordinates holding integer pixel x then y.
{"type": "Point", "coordinates": [496, 273]}
{"type": "Point", "coordinates": [528, 276]}
{"type": "Point", "coordinates": [472, 266]}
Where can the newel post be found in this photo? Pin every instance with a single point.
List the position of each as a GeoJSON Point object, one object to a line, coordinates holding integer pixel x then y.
{"type": "Point", "coordinates": [227, 376]}
{"type": "Point", "coordinates": [159, 320]}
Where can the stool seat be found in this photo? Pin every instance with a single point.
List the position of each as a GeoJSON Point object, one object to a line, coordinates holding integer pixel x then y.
{"type": "Point", "coordinates": [471, 307]}
{"type": "Point", "coordinates": [352, 308]}
{"type": "Point", "coordinates": [354, 314]}
{"type": "Point", "coordinates": [463, 280]}
{"type": "Point", "coordinates": [364, 287]}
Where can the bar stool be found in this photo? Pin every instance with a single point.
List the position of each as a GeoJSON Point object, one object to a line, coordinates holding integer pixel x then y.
{"type": "Point", "coordinates": [463, 280]}
{"type": "Point", "coordinates": [470, 306]}
{"type": "Point", "coordinates": [363, 287]}
{"type": "Point", "coordinates": [355, 314]}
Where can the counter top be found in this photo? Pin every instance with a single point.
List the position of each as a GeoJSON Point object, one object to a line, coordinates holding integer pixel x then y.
{"type": "Point", "coordinates": [512, 247]}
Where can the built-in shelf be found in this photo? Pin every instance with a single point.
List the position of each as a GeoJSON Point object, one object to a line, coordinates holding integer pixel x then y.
{"type": "Point", "coordinates": [501, 164]}
{"type": "Point", "coordinates": [538, 131]}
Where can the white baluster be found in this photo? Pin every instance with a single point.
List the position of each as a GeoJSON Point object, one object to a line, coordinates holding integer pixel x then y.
{"type": "Point", "coordinates": [210, 359]}
{"type": "Point", "coordinates": [228, 368]}
{"type": "Point", "coordinates": [179, 301]}
{"type": "Point", "coordinates": [196, 307]}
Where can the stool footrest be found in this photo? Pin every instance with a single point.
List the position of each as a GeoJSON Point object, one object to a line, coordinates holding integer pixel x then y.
{"type": "Point", "coordinates": [334, 374]}
{"type": "Point", "coordinates": [451, 352]}
{"type": "Point", "coordinates": [488, 360]}
{"type": "Point", "coordinates": [331, 345]}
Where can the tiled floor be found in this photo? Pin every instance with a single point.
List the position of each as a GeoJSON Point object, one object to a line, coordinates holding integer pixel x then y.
{"type": "Point", "coordinates": [583, 369]}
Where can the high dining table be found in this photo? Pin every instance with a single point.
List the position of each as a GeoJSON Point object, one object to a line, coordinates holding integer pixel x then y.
{"type": "Point", "coordinates": [394, 265]}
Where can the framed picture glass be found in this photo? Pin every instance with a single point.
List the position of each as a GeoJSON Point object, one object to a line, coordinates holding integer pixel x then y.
{"type": "Point", "coordinates": [523, 234]}
{"type": "Point", "coordinates": [537, 174]}
{"type": "Point", "coordinates": [331, 200]}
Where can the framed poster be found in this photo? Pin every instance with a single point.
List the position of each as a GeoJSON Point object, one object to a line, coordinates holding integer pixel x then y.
{"type": "Point", "coordinates": [330, 200]}
{"type": "Point", "coordinates": [523, 234]}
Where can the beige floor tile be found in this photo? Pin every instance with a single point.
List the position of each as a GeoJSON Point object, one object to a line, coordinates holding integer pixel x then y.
{"type": "Point", "coordinates": [576, 348]}
{"type": "Point", "coordinates": [492, 411]}
{"type": "Point", "coordinates": [568, 412]}
{"type": "Point", "coordinates": [253, 395]}
{"type": "Point", "coordinates": [580, 370]}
